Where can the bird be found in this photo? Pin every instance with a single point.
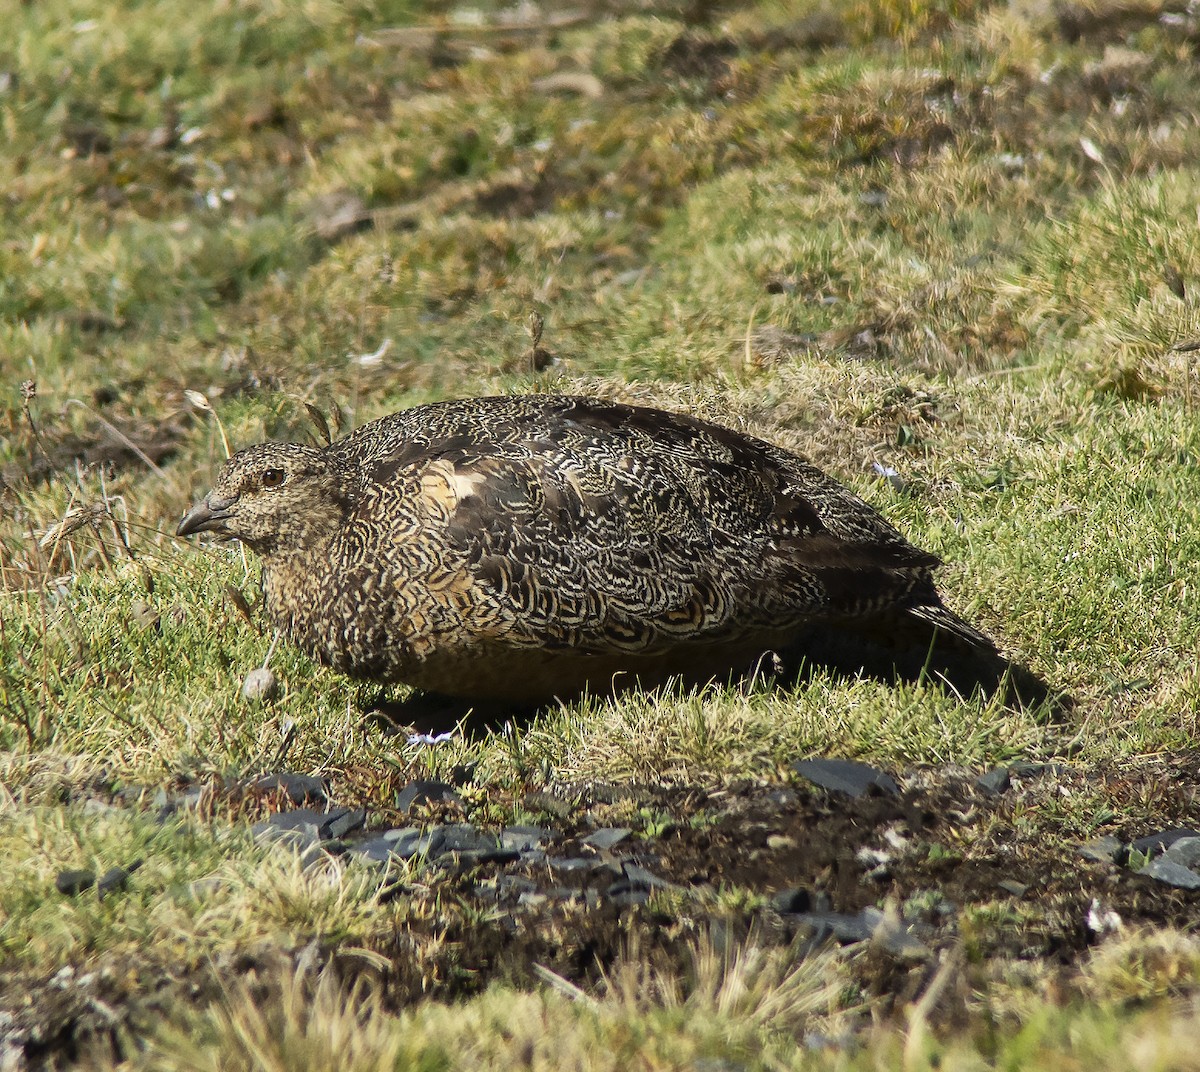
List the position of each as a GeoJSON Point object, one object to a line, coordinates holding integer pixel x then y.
{"type": "Point", "coordinates": [529, 549]}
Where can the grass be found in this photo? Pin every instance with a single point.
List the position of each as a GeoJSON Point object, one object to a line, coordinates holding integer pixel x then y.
{"type": "Point", "coordinates": [956, 239]}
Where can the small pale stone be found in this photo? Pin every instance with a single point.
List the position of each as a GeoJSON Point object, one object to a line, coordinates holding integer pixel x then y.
{"type": "Point", "coordinates": [260, 685]}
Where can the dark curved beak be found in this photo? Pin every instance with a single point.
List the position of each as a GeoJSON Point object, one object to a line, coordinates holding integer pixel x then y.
{"type": "Point", "coordinates": [205, 516]}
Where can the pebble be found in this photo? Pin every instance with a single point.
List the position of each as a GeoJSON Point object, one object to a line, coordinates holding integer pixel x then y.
{"type": "Point", "coordinates": [260, 685]}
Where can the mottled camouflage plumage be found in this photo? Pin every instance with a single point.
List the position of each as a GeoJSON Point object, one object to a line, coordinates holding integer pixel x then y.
{"type": "Point", "coordinates": [532, 547]}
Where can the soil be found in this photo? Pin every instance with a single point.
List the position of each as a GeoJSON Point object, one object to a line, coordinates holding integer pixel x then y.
{"type": "Point", "coordinates": [941, 847]}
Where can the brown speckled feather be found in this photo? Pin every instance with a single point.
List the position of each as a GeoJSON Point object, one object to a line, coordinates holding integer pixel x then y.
{"type": "Point", "coordinates": [531, 547]}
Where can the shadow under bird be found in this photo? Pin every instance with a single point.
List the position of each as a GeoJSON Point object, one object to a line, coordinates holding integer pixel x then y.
{"type": "Point", "coordinates": [526, 549]}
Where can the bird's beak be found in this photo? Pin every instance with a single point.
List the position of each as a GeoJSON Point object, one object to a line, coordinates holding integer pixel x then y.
{"type": "Point", "coordinates": [209, 514]}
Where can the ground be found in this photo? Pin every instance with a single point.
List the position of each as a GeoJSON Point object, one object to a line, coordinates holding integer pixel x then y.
{"type": "Point", "coordinates": [945, 249]}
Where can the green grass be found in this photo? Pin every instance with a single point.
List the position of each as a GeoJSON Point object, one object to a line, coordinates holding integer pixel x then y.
{"type": "Point", "coordinates": [976, 224]}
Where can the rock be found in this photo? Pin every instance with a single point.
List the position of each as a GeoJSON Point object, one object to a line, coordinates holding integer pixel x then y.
{"type": "Point", "coordinates": [607, 837]}
{"type": "Point", "coordinates": [376, 852]}
{"type": "Point", "coordinates": [1184, 851]}
{"type": "Point", "coordinates": [1153, 844]}
{"type": "Point", "coordinates": [1105, 850]}
{"type": "Point", "coordinates": [1172, 873]}
{"type": "Point", "coordinates": [569, 864]}
{"type": "Point", "coordinates": [260, 685]}
{"type": "Point", "coordinates": [425, 792]}
{"type": "Point", "coordinates": [298, 788]}
{"type": "Point", "coordinates": [846, 776]}
{"type": "Point", "coordinates": [116, 879]}
{"type": "Point", "coordinates": [792, 900]}
{"type": "Point", "coordinates": [995, 782]}
{"type": "Point", "coordinates": [523, 838]}
{"type": "Point", "coordinates": [303, 826]}
{"type": "Point", "coordinates": [74, 882]}
{"type": "Point", "coordinates": [1017, 889]}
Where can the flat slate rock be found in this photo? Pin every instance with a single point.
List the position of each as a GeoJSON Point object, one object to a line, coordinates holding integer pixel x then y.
{"type": "Point", "coordinates": [305, 826]}
{"type": "Point", "coordinates": [607, 837]}
{"type": "Point", "coordinates": [1105, 850]}
{"type": "Point", "coordinates": [1185, 851]}
{"type": "Point", "coordinates": [846, 776]}
{"type": "Point", "coordinates": [426, 792]}
{"type": "Point", "coordinates": [1153, 844]}
{"type": "Point", "coordinates": [1173, 874]}
{"type": "Point", "coordinates": [523, 839]}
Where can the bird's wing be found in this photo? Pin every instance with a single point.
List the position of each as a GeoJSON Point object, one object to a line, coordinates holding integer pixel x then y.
{"type": "Point", "coordinates": [608, 528]}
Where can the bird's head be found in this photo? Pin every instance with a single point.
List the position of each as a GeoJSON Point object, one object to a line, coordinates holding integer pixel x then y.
{"type": "Point", "coordinates": [274, 497]}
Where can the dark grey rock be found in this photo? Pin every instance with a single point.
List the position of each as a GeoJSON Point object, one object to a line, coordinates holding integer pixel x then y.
{"type": "Point", "coordinates": [74, 882]}
{"type": "Point", "coordinates": [342, 821]}
{"type": "Point", "coordinates": [376, 852]}
{"type": "Point", "coordinates": [796, 899]}
{"type": "Point", "coordinates": [996, 781]}
{"type": "Point", "coordinates": [1185, 851]}
{"type": "Point", "coordinates": [1153, 844]}
{"type": "Point", "coordinates": [1105, 850]}
{"type": "Point", "coordinates": [463, 837]}
{"type": "Point", "coordinates": [1171, 873]}
{"type": "Point", "coordinates": [300, 789]}
{"type": "Point", "coordinates": [523, 838]}
{"type": "Point", "coordinates": [428, 846]}
{"type": "Point", "coordinates": [425, 792]}
{"type": "Point", "coordinates": [607, 837]}
{"type": "Point", "coordinates": [846, 776]}
{"type": "Point", "coordinates": [570, 864]}
{"type": "Point", "coordinates": [116, 879]}
{"type": "Point", "coordinates": [1017, 889]}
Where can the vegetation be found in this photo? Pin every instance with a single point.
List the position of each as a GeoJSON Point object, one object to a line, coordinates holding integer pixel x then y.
{"type": "Point", "coordinates": [950, 241]}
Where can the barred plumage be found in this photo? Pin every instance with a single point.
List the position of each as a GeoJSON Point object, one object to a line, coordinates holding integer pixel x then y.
{"type": "Point", "coordinates": [529, 548]}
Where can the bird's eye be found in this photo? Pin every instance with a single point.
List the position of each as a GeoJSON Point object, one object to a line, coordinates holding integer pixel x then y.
{"type": "Point", "coordinates": [272, 478]}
